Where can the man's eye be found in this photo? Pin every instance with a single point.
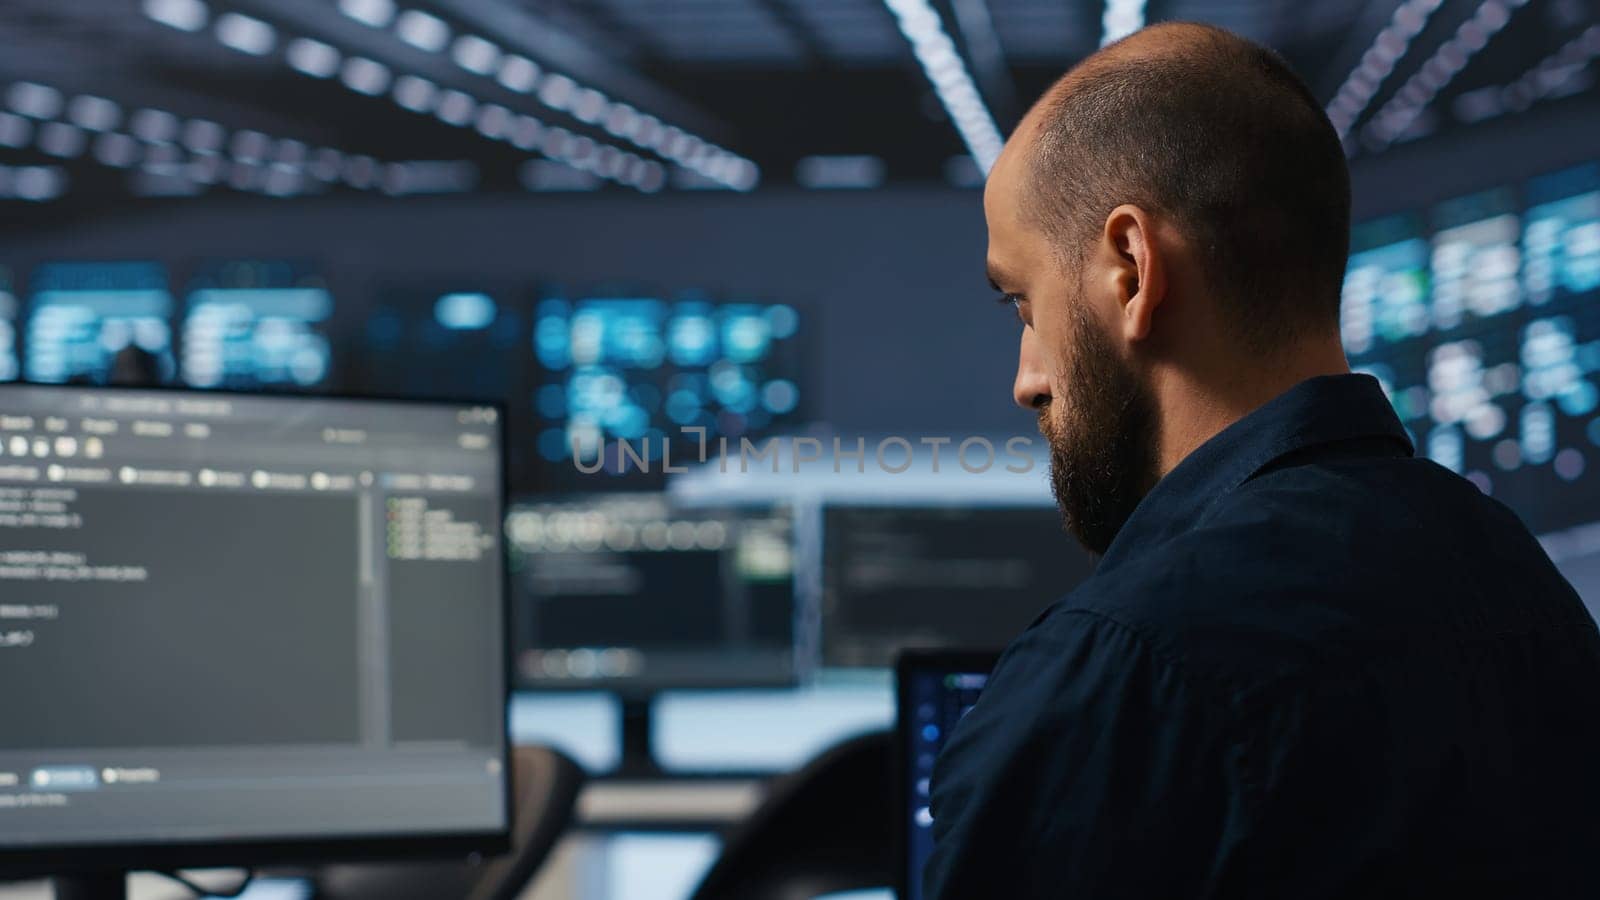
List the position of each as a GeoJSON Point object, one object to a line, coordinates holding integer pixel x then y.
{"type": "Point", "coordinates": [1015, 302]}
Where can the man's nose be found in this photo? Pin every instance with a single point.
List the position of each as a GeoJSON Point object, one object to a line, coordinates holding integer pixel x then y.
{"type": "Point", "coordinates": [1032, 386]}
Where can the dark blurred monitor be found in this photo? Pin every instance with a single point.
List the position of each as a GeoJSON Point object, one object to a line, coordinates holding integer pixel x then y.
{"type": "Point", "coordinates": [80, 314]}
{"type": "Point", "coordinates": [452, 337]}
{"type": "Point", "coordinates": [933, 690]}
{"type": "Point", "coordinates": [444, 339]}
{"type": "Point", "coordinates": [642, 369]}
{"type": "Point", "coordinates": [10, 358]}
{"type": "Point", "coordinates": [896, 577]}
{"type": "Point", "coordinates": [257, 324]}
{"type": "Point", "coordinates": [629, 591]}
{"type": "Point", "coordinates": [248, 628]}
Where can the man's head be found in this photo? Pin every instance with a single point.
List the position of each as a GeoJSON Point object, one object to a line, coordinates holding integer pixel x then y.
{"type": "Point", "coordinates": [1171, 221]}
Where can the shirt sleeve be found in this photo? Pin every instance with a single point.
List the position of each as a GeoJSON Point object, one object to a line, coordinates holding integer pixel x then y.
{"type": "Point", "coordinates": [1088, 768]}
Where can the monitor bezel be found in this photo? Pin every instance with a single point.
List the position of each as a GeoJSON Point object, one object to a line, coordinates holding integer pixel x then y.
{"type": "Point", "coordinates": [906, 663]}
{"type": "Point", "coordinates": [54, 859]}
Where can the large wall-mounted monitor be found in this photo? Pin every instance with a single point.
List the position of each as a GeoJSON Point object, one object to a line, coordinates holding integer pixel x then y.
{"type": "Point", "coordinates": [667, 377]}
{"type": "Point", "coordinates": [81, 315]}
{"type": "Point", "coordinates": [257, 324]}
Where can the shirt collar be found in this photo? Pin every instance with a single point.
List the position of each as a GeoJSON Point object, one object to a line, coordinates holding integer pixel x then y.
{"type": "Point", "coordinates": [1322, 410]}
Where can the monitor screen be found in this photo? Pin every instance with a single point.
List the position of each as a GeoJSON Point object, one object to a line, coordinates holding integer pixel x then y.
{"type": "Point", "coordinates": [655, 373]}
{"type": "Point", "coordinates": [633, 592]}
{"type": "Point", "coordinates": [895, 577]}
{"type": "Point", "coordinates": [243, 618]}
{"type": "Point", "coordinates": [452, 339]}
{"type": "Point", "coordinates": [1479, 320]}
{"type": "Point", "coordinates": [934, 691]}
{"type": "Point", "coordinates": [81, 316]}
{"type": "Point", "coordinates": [251, 324]}
{"type": "Point", "coordinates": [10, 361]}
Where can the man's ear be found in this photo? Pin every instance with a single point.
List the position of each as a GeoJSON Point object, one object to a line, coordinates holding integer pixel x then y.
{"type": "Point", "coordinates": [1137, 270]}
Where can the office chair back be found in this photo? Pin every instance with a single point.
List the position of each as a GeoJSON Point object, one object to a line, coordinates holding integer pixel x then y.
{"type": "Point", "coordinates": [545, 785]}
{"type": "Point", "coordinates": [826, 828]}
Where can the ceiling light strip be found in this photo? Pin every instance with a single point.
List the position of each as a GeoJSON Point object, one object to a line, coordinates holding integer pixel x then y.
{"type": "Point", "coordinates": [483, 58]}
{"type": "Point", "coordinates": [1557, 75]}
{"type": "Point", "coordinates": [1401, 111]}
{"type": "Point", "coordinates": [953, 84]}
{"type": "Point", "coordinates": [1378, 63]}
{"type": "Point", "coordinates": [283, 164]}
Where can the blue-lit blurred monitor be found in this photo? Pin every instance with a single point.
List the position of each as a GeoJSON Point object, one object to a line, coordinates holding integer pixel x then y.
{"type": "Point", "coordinates": [1481, 320]}
{"type": "Point", "coordinates": [927, 576]}
{"type": "Point", "coordinates": [631, 592]}
{"type": "Point", "coordinates": [251, 324]}
{"type": "Point", "coordinates": [10, 361]}
{"type": "Point", "coordinates": [933, 690]}
{"type": "Point", "coordinates": [643, 369]}
{"type": "Point", "coordinates": [81, 315]}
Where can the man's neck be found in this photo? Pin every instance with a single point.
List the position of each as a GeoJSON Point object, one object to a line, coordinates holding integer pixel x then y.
{"type": "Point", "coordinates": [1198, 403]}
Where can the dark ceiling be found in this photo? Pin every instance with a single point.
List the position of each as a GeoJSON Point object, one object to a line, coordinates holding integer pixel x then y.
{"type": "Point", "coordinates": [410, 96]}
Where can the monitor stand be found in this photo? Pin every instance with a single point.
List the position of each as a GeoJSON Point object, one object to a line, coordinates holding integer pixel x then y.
{"type": "Point", "coordinates": [94, 886]}
{"type": "Point", "coordinates": [637, 759]}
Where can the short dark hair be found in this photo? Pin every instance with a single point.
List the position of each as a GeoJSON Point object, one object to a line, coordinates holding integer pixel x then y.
{"type": "Point", "coordinates": [1220, 134]}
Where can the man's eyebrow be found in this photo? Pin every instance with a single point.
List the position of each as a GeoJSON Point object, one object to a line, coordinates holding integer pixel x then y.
{"type": "Point", "coordinates": [997, 276]}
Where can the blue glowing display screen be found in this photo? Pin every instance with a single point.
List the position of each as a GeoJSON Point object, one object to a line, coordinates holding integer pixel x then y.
{"type": "Point", "coordinates": [256, 325]}
{"type": "Point", "coordinates": [81, 315]}
{"type": "Point", "coordinates": [650, 371]}
{"type": "Point", "coordinates": [1485, 333]}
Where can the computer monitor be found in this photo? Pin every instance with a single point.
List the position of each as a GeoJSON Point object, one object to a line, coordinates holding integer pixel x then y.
{"type": "Point", "coordinates": [455, 337]}
{"type": "Point", "coordinates": [1479, 319]}
{"type": "Point", "coordinates": [252, 324]}
{"type": "Point", "coordinates": [917, 575]}
{"type": "Point", "coordinates": [635, 593]}
{"type": "Point", "coordinates": [654, 373]}
{"type": "Point", "coordinates": [10, 361]}
{"type": "Point", "coordinates": [452, 337]}
{"type": "Point", "coordinates": [242, 628]}
{"type": "Point", "coordinates": [82, 314]}
{"type": "Point", "coordinates": [933, 690]}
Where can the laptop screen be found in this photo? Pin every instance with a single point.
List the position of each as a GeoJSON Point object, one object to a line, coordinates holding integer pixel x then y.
{"type": "Point", "coordinates": [935, 689]}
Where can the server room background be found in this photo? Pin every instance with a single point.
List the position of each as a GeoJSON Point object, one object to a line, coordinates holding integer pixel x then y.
{"type": "Point", "coordinates": [627, 218]}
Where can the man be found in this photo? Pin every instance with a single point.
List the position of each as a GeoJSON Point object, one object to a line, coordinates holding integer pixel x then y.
{"type": "Point", "coordinates": [1309, 664]}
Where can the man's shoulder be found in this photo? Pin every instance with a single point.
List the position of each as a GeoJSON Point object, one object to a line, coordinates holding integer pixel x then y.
{"type": "Point", "coordinates": [1305, 568]}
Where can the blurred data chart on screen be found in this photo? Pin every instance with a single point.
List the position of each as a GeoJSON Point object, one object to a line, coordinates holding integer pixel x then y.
{"type": "Point", "coordinates": [641, 369]}
{"type": "Point", "coordinates": [629, 591]}
{"type": "Point", "coordinates": [256, 325]}
{"type": "Point", "coordinates": [934, 576]}
{"type": "Point", "coordinates": [80, 315]}
{"type": "Point", "coordinates": [1483, 327]}
{"type": "Point", "coordinates": [242, 617]}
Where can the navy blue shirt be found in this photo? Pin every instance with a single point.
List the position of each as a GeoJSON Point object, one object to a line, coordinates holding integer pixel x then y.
{"type": "Point", "coordinates": [1310, 665]}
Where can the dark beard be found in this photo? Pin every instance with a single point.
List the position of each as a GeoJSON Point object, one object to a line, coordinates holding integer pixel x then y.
{"type": "Point", "coordinates": [1103, 456]}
